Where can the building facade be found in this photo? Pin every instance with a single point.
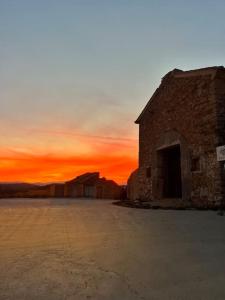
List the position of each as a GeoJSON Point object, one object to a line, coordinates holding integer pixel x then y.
{"type": "Point", "coordinates": [179, 130]}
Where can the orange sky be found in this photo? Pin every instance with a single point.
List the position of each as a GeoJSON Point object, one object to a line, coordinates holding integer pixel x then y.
{"type": "Point", "coordinates": [47, 169]}
{"type": "Point", "coordinates": [53, 156]}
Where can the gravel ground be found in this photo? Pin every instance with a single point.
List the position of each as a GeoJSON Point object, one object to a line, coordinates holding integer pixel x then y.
{"type": "Point", "coordinates": [90, 249]}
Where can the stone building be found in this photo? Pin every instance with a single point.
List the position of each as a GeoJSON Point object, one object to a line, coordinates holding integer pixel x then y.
{"type": "Point", "coordinates": [90, 185]}
{"type": "Point", "coordinates": [56, 190]}
{"type": "Point", "coordinates": [179, 130]}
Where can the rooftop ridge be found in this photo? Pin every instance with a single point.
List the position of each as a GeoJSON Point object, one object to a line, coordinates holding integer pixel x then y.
{"type": "Point", "coordinates": [198, 72]}
{"type": "Point", "coordinates": [177, 73]}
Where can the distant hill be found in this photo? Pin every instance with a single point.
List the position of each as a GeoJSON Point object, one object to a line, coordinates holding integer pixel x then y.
{"type": "Point", "coordinates": [22, 186]}
{"type": "Point", "coordinates": [10, 189]}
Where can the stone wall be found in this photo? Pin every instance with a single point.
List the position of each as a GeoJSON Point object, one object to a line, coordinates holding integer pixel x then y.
{"type": "Point", "coordinates": [133, 186]}
{"type": "Point", "coordinates": [189, 110]}
{"type": "Point", "coordinates": [220, 130]}
{"type": "Point", "coordinates": [73, 190]}
{"type": "Point", "coordinates": [110, 190]}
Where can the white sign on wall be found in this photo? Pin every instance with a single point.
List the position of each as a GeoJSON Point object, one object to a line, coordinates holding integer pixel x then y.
{"type": "Point", "coordinates": [220, 152]}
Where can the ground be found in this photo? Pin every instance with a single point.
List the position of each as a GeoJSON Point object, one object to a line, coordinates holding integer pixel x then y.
{"type": "Point", "coordinates": [90, 249]}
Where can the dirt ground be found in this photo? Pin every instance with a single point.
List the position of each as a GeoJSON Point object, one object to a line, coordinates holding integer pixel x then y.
{"type": "Point", "coordinates": [90, 249]}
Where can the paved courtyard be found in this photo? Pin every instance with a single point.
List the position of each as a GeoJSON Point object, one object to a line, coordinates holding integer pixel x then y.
{"type": "Point", "coordinates": [91, 249]}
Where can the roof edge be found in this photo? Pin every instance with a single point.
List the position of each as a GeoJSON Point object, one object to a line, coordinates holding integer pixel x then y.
{"type": "Point", "coordinates": [177, 73]}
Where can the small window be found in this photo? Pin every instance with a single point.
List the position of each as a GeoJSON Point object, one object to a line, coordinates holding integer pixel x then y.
{"type": "Point", "coordinates": [148, 172]}
{"type": "Point", "coordinates": [195, 164]}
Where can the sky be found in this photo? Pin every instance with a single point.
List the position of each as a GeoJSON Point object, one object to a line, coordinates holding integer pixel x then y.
{"type": "Point", "coordinates": [74, 76]}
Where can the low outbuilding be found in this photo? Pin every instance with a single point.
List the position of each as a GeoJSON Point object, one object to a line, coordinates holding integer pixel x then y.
{"type": "Point", "coordinates": [90, 185]}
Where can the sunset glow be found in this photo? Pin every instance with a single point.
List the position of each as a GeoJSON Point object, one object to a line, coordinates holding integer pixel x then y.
{"type": "Point", "coordinates": [51, 169]}
{"type": "Point", "coordinates": [113, 158]}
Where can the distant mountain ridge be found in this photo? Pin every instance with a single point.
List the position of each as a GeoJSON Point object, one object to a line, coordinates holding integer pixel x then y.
{"type": "Point", "coordinates": [24, 189]}
{"type": "Point", "coordinates": [19, 186]}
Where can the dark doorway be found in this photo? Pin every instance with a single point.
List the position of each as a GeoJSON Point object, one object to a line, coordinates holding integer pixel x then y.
{"type": "Point", "coordinates": [171, 172]}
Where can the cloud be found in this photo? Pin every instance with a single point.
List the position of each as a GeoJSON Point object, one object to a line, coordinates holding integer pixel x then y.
{"type": "Point", "coordinates": [92, 136]}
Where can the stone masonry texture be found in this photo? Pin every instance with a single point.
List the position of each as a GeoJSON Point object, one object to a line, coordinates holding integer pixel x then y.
{"type": "Point", "coordinates": [188, 109]}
